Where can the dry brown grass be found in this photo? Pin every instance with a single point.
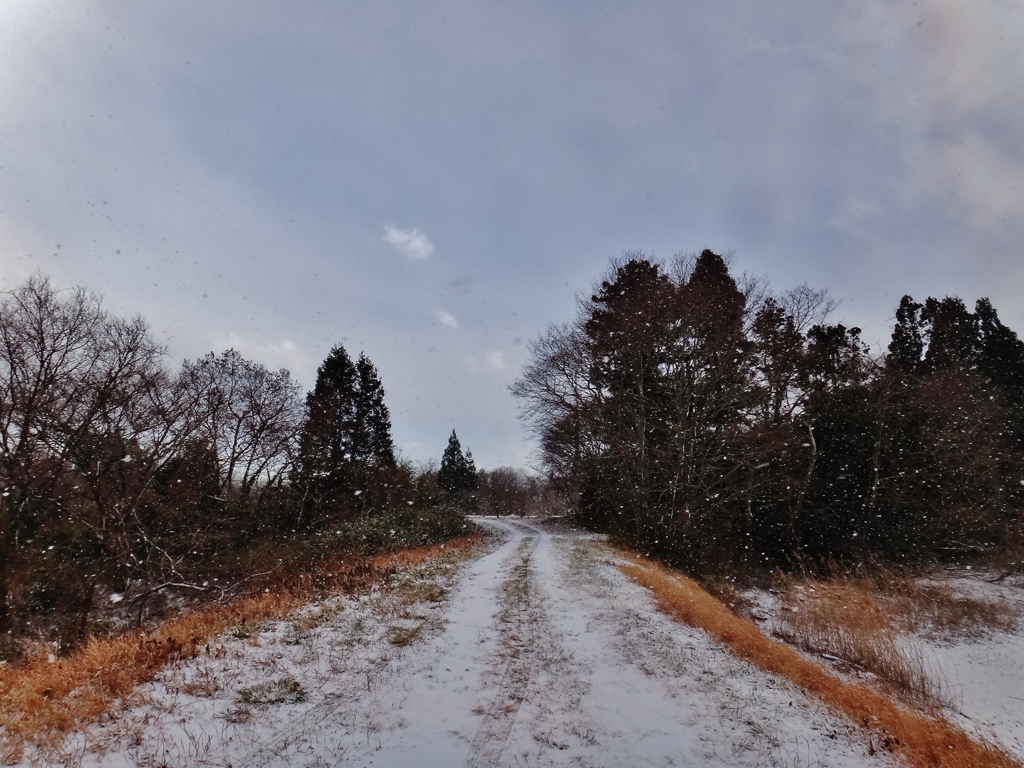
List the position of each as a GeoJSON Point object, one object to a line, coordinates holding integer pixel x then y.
{"type": "Point", "coordinates": [40, 700]}
{"type": "Point", "coordinates": [402, 636]}
{"type": "Point", "coordinates": [845, 621]}
{"type": "Point", "coordinates": [922, 741]}
{"type": "Point", "coordinates": [937, 609]}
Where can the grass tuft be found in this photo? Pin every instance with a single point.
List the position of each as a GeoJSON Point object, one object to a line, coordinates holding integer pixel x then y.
{"type": "Point", "coordinates": [402, 636]}
{"type": "Point", "coordinates": [284, 690]}
{"type": "Point", "coordinates": [940, 610]}
{"type": "Point", "coordinates": [427, 591]}
{"type": "Point", "coordinates": [845, 621]}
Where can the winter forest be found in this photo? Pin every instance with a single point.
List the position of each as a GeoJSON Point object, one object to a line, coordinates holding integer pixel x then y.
{"type": "Point", "coordinates": [687, 418]}
{"type": "Point", "coordinates": [511, 385]}
{"type": "Point", "coordinates": [724, 428]}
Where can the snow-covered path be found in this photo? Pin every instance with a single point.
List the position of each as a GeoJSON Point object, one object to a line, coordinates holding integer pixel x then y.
{"type": "Point", "coordinates": [543, 654]}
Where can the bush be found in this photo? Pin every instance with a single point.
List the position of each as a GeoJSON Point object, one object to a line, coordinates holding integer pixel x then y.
{"type": "Point", "coordinates": [388, 531]}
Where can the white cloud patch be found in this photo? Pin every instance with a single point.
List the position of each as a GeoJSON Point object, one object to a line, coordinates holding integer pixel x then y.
{"type": "Point", "coordinates": [409, 242]}
{"type": "Point", "coordinates": [285, 354]}
{"type": "Point", "coordinates": [446, 318]}
{"type": "Point", "coordinates": [490, 362]}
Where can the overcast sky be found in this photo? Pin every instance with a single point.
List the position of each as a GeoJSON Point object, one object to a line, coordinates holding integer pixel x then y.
{"type": "Point", "coordinates": [434, 182]}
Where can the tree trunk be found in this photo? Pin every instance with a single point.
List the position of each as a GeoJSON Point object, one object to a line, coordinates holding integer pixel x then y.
{"type": "Point", "coordinates": [795, 511]}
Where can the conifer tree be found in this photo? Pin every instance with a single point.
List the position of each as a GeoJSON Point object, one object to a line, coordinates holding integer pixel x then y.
{"type": "Point", "coordinates": [1001, 362]}
{"type": "Point", "coordinates": [372, 442]}
{"type": "Point", "coordinates": [952, 335]}
{"type": "Point", "coordinates": [471, 479]}
{"type": "Point", "coordinates": [907, 346]}
{"type": "Point", "coordinates": [458, 471]}
{"type": "Point", "coordinates": [347, 432]}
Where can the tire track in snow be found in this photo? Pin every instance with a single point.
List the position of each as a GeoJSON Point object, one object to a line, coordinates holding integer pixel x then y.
{"type": "Point", "coordinates": [615, 682]}
{"type": "Point", "coordinates": [432, 715]}
{"type": "Point", "coordinates": [544, 655]}
{"type": "Point", "coordinates": [519, 623]}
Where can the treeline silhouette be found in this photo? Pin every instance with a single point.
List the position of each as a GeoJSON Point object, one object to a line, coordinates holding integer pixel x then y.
{"type": "Point", "coordinates": [126, 486]}
{"type": "Point", "coordinates": [727, 429]}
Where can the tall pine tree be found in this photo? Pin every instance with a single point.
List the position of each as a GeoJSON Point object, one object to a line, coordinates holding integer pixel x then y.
{"type": "Point", "coordinates": [371, 443]}
{"type": "Point", "coordinates": [906, 349]}
{"type": "Point", "coordinates": [1001, 362]}
{"type": "Point", "coordinates": [458, 471]}
{"type": "Point", "coordinates": [347, 433]}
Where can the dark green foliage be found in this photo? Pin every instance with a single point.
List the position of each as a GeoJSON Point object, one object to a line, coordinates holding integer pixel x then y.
{"type": "Point", "coordinates": [371, 432]}
{"type": "Point", "coordinates": [323, 469]}
{"type": "Point", "coordinates": [906, 350]}
{"type": "Point", "coordinates": [952, 335]}
{"type": "Point", "coordinates": [1001, 361]}
{"type": "Point", "coordinates": [345, 445]}
{"type": "Point", "coordinates": [386, 532]}
{"type": "Point", "coordinates": [702, 423]}
{"type": "Point", "coordinates": [457, 474]}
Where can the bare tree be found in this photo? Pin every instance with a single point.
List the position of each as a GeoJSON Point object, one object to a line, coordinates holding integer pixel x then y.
{"type": "Point", "coordinates": [86, 417]}
{"type": "Point", "coordinates": [807, 306]}
{"type": "Point", "coordinates": [560, 399]}
{"type": "Point", "coordinates": [50, 358]}
{"type": "Point", "coordinates": [249, 415]}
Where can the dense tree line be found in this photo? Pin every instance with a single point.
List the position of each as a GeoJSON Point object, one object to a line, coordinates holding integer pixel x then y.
{"type": "Point", "coordinates": [508, 491]}
{"type": "Point", "coordinates": [124, 481]}
{"type": "Point", "coordinates": [720, 426]}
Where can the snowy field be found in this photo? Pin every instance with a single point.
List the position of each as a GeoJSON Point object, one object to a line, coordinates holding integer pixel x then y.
{"type": "Point", "coordinates": [985, 675]}
{"type": "Point", "coordinates": [979, 674]}
{"type": "Point", "coordinates": [535, 652]}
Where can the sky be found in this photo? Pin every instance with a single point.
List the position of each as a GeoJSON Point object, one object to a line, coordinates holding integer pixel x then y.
{"type": "Point", "coordinates": [434, 183]}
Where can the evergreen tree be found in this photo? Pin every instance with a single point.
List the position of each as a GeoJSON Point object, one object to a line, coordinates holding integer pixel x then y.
{"type": "Point", "coordinates": [952, 335]}
{"type": "Point", "coordinates": [347, 432]}
{"type": "Point", "coordinates": [458, 472]}
{"type": "Point", "coordinates": [371, 442]}
{"type": "Point", "coordinates": [1001, 354]}
{"type": "Point", "coordinates": [628, 329]}
{"type": "Point", "coordinates": [1001, 362]}
{"type": "Point", "coordinates": [471, 478]}
{"type": "Point", "coordinates": [907, 346]}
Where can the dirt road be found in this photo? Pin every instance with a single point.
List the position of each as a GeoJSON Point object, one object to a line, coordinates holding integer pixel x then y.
{"type": "Point", "coordinates": [537, 652]}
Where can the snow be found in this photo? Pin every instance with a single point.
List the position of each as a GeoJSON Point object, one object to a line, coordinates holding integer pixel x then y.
{"type": "Point", "coordinates": [985, 675]}
{"type": "Point", "coordinates": [981, 677]}
{"type": "Point", "coordinates": [543, 653]}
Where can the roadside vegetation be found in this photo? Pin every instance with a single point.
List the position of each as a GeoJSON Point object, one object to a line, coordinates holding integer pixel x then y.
{"type": "Point", "coordinates": [739, 435]}
{"type": "Point", "coordinates": [730, 430]}
{"type": "Point", "coordinates": [130, 490]}
{"type": "Point", "coordinates": [873, 622]}
{"type": "Point", "coordinates": [44, 698]}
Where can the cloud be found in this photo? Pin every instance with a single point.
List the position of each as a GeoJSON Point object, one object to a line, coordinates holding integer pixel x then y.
{"type": "Point", "coordinates": [492, 362]}
{"type": "Point", "coordinates": [286, 354]}
{"type": "Point", "coordinates": [410, 242]}
{"type": "Point", "coordinates": [445, 318]}
{"type": "Point", "coordinates": [496, 360]}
